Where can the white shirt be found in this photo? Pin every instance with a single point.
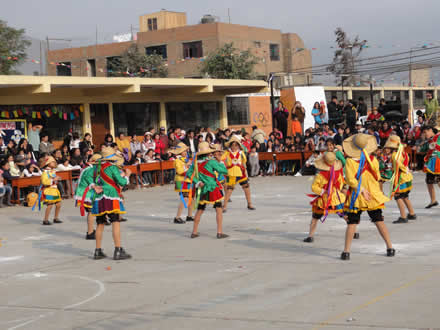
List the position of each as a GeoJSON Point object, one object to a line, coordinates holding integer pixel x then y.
{"type": "Point", "coordinates": [29, 174]}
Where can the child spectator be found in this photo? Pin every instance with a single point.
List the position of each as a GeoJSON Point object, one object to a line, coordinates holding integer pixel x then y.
{"type": "Point", "coordinates": [296, 126]}
{"type": "Point", "coordinates": [254, 162]}
{"type": "Point", "coordinates": [5, 188]}
{"type": "Point", "coordinates": [74, 143]}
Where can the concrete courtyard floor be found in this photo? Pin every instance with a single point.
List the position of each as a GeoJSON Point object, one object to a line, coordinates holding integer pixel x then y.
{"type": "Point", "coordinates": [262, 277]}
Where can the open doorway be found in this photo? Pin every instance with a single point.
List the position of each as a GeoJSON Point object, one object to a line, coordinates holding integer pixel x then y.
{"type": "Point", "coordinates": [99, 117]}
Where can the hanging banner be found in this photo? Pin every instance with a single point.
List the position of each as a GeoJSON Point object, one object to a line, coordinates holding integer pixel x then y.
{"type": "Point", "coordinates": [13, 130]}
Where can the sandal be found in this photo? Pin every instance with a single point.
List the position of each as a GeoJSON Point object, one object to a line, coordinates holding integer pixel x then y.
{"type": "Point", "coordinates": [221, 235]}
{"type": "Point", "coordinates": [195, 235]}
{"type": "Point", "coordinates": [57, 221]}
{"type": "Point", "coordinates": [46, 223]}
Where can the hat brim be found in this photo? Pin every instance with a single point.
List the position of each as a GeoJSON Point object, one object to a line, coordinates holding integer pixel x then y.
{"type": "Point", "coordinates": [178, 151]}
{"type": "Point", "coordinates": [228, 144]}
{"type": "Point", "coordinates": [391, 145]}
{"type": "Point", "coordinates": [321, 165]}
{"type": "Point", "coordinates": [352, 151]}
{"type": "Point", "coordinates": [206, 152]}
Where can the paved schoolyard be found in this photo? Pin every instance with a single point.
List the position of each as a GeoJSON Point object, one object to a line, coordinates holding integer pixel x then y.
{"type": "Point", "coordinates": [263, 277]}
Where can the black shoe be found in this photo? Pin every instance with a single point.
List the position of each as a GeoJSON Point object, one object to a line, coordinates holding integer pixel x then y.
{"type": "Point", "coordinates": [91, 235]}
{"type": "Point", "coordinates": [99, 254]}
{"type": "Point", "coordinates": [391, 252]}
{"type": "Point", "coordinates": [120, 254]}
{"type": "Point", "coordinates": [356, 236]}
{"type": "Point", "coordinates": [179, 220]}
{"type": "Point", "coordinates": [432, 205]}
{"type": "Point", "coordinates": [308, 239]}
{"type": "Point", "coordinates": [345, 255]}
{"type": "Point", "coordinates": [251, 208]}
{"type": "Point", "coordinates": [57, 221]}
{"type": "Point", "coordinates": [46, 223]}
{"type": "Point", "coordinates": [195, 235]}
{"type": "Point", "coordinates": [401, 220]}
{"type": "Point", "coordinates": [220, 236]}
{"type": "Point", "coordinates": [189, 219]}
{"type": "Point", "coordinates": [122, 220]}
{"type": "Point", "coordinates": [412, 217]}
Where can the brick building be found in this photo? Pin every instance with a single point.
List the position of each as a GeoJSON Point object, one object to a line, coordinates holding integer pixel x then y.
{"type": "Point", "coordinates": [184, 47]}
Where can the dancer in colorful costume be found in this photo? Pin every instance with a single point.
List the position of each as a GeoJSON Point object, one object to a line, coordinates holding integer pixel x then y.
{"type": "Point", "coordinates": [401, 180]}
{"type": "Point", "coordinates": [327, 189]}
{"type": "Point", "coordinates": [235, 161]}
{"type": "Point", "coordinates": [108, 201]}
{"type": "Point", "coordinates": [182, 182]}
{"type": "Point", "coordinates": [432, 162]}
{"type": "Point", "coordinates": [85, 194]}
{"type": "Point", "coordinates": [362, 176]}
{"type": "Point", "coordinates": [204, 173]}
{"type": "Point", "coordinates": [49, 193]}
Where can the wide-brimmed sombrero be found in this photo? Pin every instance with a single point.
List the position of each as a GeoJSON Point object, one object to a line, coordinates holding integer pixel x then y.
{"type": "Point", "coordinates": [393, 142]}
{"type": "Point", "coordinates": [94, 158]}
{"type": "Point", "coordinates": [234, 138]}
{"type": "Point", "coordinates": [49, 160]}
{"type": "Point", "coordinates": [205, 148]}
{"type": "Point", "coordinates": [354, 145]}
{"type": "Point", "coordinates": [326, 161]}
{"type": "Point", "coordinates": [177, 150]}
{"type": "Point", "coordinates": [109, 154]}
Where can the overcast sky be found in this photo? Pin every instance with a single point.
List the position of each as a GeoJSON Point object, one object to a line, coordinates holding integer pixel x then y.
{"type": "Point", "coordinates": [392, 25]}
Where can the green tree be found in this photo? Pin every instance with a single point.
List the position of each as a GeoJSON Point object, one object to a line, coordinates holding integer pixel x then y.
{"type": "Point", "coordinates": [228, 62]}
{"type": "Point", "coordinates": [343, 65]}
{"type": "Point", "coordinates": [133, 63]}
{"type": "Point", "coordinates": [13, 46]}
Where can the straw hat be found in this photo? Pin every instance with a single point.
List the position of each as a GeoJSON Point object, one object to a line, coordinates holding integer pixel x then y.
{"type": "Point", "coordinates": [109, 154]}
{"type": "Point", "coordinates": [177, 150]}
{"type": "Point", "coordinates": [49, 160]}
{"type": "Point", "coordinates": [339, 147]}
{"type": "Point", "coordinates": [393, 142]}
{"type": "Point", "coordinates": [217, 147]}
{"type": "Point", "coordinates": [355, 143]}
{"type": "Point", "coordinates": [205, 148]}
{"type": "Point", "coordinates": [234, 138]}
{"type": "Point", "coordinates": [326, 161]}
{"type": "Point", "coordinates": [94, 158]}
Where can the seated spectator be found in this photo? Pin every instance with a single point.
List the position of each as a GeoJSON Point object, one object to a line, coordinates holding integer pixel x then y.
{"type": "Point", "coordinates": [124, 146]}
{"type": "Point", "coordinates": [258, 135]}
{"type": "Point", "coordinates": [86, 144]}
{"type": "Point", "coordinates": [347, 132]}
{"type": "Point", "coordinates": [65, 151]}
{"type": "Point", "coordinates": [25, 146]}
{"type": "Point", "coordinates": [75, 158]}
{"type": "Point", "coordinates": [309, 166]}
{"type": "Point", "coordinates": [384, 133]}
{"type": "Point", "coordinates": [339, 137]}
{"type": "Point", "coordinates": [5, 189]}
{"type": "Point", "coordinates": [358, 127]}
{"type": "Point", "coordinates": [375, 115]}
{"type": "Point", "coordinates": [58, 155]}
{"type": "Point", "coordinates": [209, 139]}
{"type": "Point", "coordinates": [148, 142]}
{"type": "Point", "coordinates": [173, 141]}
{"type": "Point", "coordinates": [298, 143]}
{"type": "Point", "coordinates": [7, 177]}
{"type": "Point", "coordinates": [3, 149]}
{"type": "Point", "coordinates": [45, 146]}
{"type": "Point", "coordinates": [135, 145]}
{"type": "Point", "coordinates": [321, 145]}
{"type": "Point", "coordinates": [75, 141]}
{"type": "Point", "coordinates": [32, 170]}
{"type": "Point", "coordinates": [247, 142]}
{"type": "Point", "coordinates": [296, 126]}
{"type": "Point", "coordinates": [144, 179]}
{"type": "Point", "coordinates": [11, 148]}
{"type": "Point", "coordinates": [406, 132]}
{"type": "Point", "coordinates": [318, 135]}
{"type": "Point", "coordinates": [65, 165]}
{"type": "Point", "coordinates": [108, 140]}
{"type": "Point", "coordinates": [310, 145]}
{"type": "Point", "coordinates": [13, 169]}
{"type": "Point", "coordinates": [372, 131]}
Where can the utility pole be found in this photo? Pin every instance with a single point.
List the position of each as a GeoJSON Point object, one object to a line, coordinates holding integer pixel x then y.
{"type": "Point", "coordinates": [272, 97]}
{"type": "Point", "coordinates": [410, 67]}
{"type": "Point", "coordinates": [229, 15]}
{"type": "Point", "coordinates": [41, 58]}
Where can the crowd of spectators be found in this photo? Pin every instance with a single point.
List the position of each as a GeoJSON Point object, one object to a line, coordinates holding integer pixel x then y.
{"type": "Point", "coordinates": [333, 124]}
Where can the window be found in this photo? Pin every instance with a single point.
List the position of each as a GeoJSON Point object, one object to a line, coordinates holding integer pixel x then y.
{"type": "Point", "coordinates": [64, 69]}
{"type": "Point", "coordinates": [113, 65]}
{"type": "Point", "coordinates": [274, 52]}
{"type": "Point", "coordinates": [192, 114]}
{"type": "Point", "coordinates": [135, 118]}
{"type": "Point", "coordinates": [238, 110]}
{"type": "Point", "coordinates": [159, 50]}
{"type": "Point", "coordinates": [192, 49]}
{"type": "Point", "coordinates": [257, 44]}
{"type": "Point", "coordinates": [91, 68]}
{"type": "Point", "coordinates": [152, 24]}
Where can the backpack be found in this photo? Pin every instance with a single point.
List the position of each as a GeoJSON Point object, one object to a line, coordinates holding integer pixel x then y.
{"type": "Point", "coordinates": [31, 198]}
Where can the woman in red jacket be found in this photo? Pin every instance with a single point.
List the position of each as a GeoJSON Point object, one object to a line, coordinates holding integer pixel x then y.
{"type": "Point", "coordinates": [160, 146]}
{"type": "Point", "coordinates": [384, 133]}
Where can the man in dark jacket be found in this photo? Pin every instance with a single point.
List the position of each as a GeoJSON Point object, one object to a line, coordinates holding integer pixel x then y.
{"type": "Point", "coordinates": [191, 141]}
{"type": "Point", "coordinates": [362, 107]}
{"type": "Point", "coordinates": [334, 115]}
